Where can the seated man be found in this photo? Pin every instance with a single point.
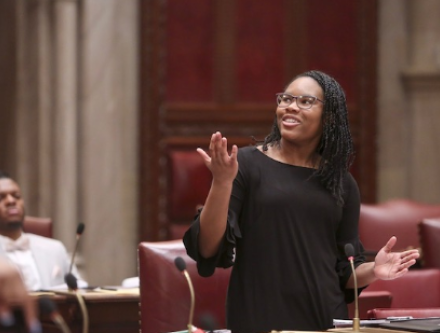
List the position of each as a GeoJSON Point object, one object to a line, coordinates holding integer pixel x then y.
{"type": "Point", "coordinates": [43, 262]}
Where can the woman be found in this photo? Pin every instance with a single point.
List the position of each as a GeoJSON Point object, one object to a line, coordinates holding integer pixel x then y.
{"type": "Point", "coordinates": [282, 212]}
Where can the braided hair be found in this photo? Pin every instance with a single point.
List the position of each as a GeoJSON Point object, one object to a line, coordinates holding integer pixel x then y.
{"type": "Point", "coordinates": [336, 144]}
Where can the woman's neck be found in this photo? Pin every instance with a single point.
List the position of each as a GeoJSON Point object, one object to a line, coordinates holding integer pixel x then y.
{"type": "Point", "coordinates": [294, 155]}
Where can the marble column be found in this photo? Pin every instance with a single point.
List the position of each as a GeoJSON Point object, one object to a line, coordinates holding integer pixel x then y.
{"type": "Point", "coordinates": [108, 138]}
{"type": "Point", "coordinates": [73, 124]}
{"type": "Point", "coordinates": [64, 120]}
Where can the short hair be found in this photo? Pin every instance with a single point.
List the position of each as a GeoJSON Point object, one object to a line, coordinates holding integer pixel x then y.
{"type": "Point", "coordinates": [336, 145]}
{"type": "Point", "coordinates": [4, 174]}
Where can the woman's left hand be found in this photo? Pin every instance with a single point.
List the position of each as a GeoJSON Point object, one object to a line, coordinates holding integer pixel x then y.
{"type": "Point", "coordinates": [391, 265]}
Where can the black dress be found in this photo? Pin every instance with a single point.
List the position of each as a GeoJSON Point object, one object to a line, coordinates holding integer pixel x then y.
{"type": "Point", "coordinates": [285, 238]}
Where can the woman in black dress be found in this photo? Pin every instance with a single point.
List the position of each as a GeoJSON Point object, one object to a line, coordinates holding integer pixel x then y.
{"type": "Point", "coordinates": [281, 213]}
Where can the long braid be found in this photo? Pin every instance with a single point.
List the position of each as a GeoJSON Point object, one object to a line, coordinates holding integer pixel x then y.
{"type": "Point", "coordinates": [336, 145]}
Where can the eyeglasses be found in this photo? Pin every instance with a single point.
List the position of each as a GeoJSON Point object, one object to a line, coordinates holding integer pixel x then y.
{"type": "Point", "coordinates": [303, 102]}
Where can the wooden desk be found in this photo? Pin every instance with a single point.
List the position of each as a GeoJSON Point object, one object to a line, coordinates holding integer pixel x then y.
{"type": "Point", "coordinates": [109, 312]}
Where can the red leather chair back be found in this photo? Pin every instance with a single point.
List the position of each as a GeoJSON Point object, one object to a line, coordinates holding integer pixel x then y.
{"type": "Point", "coordinates": [370, 300]}
{"type": "Point", "coordinates": [41, 226]}
{"type": "Point", "coordinates": [419, 288]}
{"type": "Point", "coordinates": [429, 230]}
{"type": "Point", "coordinates": [188, 186]}
{"type": "Point", "coordinates": [164, 293]}
{"type": "Point", "coordinates": [399, 217]}
{"type": "Point", "coordinates": [383, 313]}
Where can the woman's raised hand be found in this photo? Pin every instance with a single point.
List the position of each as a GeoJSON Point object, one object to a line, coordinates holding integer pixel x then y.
{"type": "Point", "coordinates": [223, 166]}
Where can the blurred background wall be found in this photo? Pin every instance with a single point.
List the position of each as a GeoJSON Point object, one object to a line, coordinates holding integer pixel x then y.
{"type": "Point", "coordinates": [96, 96]}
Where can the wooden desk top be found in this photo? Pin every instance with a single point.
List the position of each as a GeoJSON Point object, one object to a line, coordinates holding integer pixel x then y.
{"type": "Point", "coordinates": [108, 311]}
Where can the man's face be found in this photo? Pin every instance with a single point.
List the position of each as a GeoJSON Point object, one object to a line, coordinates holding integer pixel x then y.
{"type": "Point", "coordinates": [11, 205]}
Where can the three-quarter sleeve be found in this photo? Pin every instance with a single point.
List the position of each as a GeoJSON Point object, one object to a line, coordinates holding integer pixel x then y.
{"type": "Point", "coordinates": [226, 253]}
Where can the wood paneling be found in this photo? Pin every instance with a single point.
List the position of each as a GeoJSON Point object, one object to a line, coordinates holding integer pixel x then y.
{"type": "Point", "coordinates": [216, 65]}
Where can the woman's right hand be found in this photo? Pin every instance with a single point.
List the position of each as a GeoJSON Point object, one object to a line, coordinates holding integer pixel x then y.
{"type": "Point", "coordinates": [223, 166]}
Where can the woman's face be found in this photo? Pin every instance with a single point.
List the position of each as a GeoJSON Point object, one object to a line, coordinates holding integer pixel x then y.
{"type": "Point", "coordinates": [297, 125]}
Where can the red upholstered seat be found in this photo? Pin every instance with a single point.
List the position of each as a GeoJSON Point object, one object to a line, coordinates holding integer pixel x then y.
{"type": "Point", "coordinates": [165, 296]}
{"type": "Point", "coordinates": [383, 313]}
{"type": "Point", "coordinates": [188, 186]}
{"type": "Point", "coordinates": [41, 226]}
{"type": "Point", "coordinates": [429, 230]}
{"type": "Point", "coordinates": [399, 217]}
{"type": "Point", "coordinates": [370, 300]}
{"type": "Point", "coordinates": [419, 288]}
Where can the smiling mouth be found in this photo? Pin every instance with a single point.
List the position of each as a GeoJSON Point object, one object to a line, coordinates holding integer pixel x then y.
{"type": "Point", "coordinates": [290, 121]}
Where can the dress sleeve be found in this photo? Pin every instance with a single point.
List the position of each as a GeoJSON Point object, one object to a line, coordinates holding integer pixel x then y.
{"type": "Point", "coordinates": [226, 254]}
{"type": "Point", "coordinates": [348, 232]}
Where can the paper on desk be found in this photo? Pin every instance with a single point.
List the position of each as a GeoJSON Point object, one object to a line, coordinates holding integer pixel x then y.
{"type": "Point", "coordinates": [195, 329]}
{"type": "Point", "coordinates": [116, 290]}
{"type": "Point", "coordinates": [366, 322]}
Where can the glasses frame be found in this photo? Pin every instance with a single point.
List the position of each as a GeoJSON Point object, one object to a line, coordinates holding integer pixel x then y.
{"type": "Point", "coordinates": [295, 99]}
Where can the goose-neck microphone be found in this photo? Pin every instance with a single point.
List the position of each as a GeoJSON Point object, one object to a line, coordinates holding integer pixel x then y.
{"type": "Point", "coordinates": [181, 266]}
{"type": "Point", "coordinates": [79, 231]}
{"type": "Point", "coordinates": [349, 252]}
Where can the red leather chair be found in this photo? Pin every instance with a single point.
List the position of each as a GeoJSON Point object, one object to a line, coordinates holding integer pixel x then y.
{"type": "Point", "coordinates": [398, 217]}
{"type": "Point", "coordinates": [383, 313]}
{"type": "Point", "coordinates": [164, 293]}
{"type": "Point", "coordinates": [429, 230]}
{"type": "Point", "coordinates": [41, 226]}
{"type": "Point", "coordinates": [419, 288]}
{"type": "Point", "coordinates": [188, 186]}
{"type": "Point", "coordinates": [370, 300]}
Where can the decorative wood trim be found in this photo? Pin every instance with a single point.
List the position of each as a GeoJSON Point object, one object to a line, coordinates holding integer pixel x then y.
{"type": "Point", "coordinates": [415, 80]}
{"type": "Point", "coordinates": [188, 143]}
{"type": "Point", "coordinates": [164, 127]}
{"type": "Point", "coordinates": [152, 86]}
{"type": "Point", "coordinates": [202, 113]}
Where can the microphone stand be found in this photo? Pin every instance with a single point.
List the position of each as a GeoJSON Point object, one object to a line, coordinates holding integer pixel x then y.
{"type": "Point", "coordinates": [356, 320]}
{"type": "Point", "coordinates": [79, 231]}
{"type": "Point", "coordinates": [181, 266]}
{"type": "Point", "coordinates": [349, 252]}
{"type": "Point", "coordinates": [191, 311]}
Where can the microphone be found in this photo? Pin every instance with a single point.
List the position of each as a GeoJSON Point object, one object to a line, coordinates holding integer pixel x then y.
{"type": "Point", "coordinates": [349, 252]}
{"type": "Point", "coordinates": [72, 283]}
{"type": "Point", "coordinates": [79, 231]}
{"type": "Point", "coordinates": [48, 307]}
{"type": "Point", "coordinates": [181, 266]}
{"type": "Point", "coordinates": [208, 323]}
